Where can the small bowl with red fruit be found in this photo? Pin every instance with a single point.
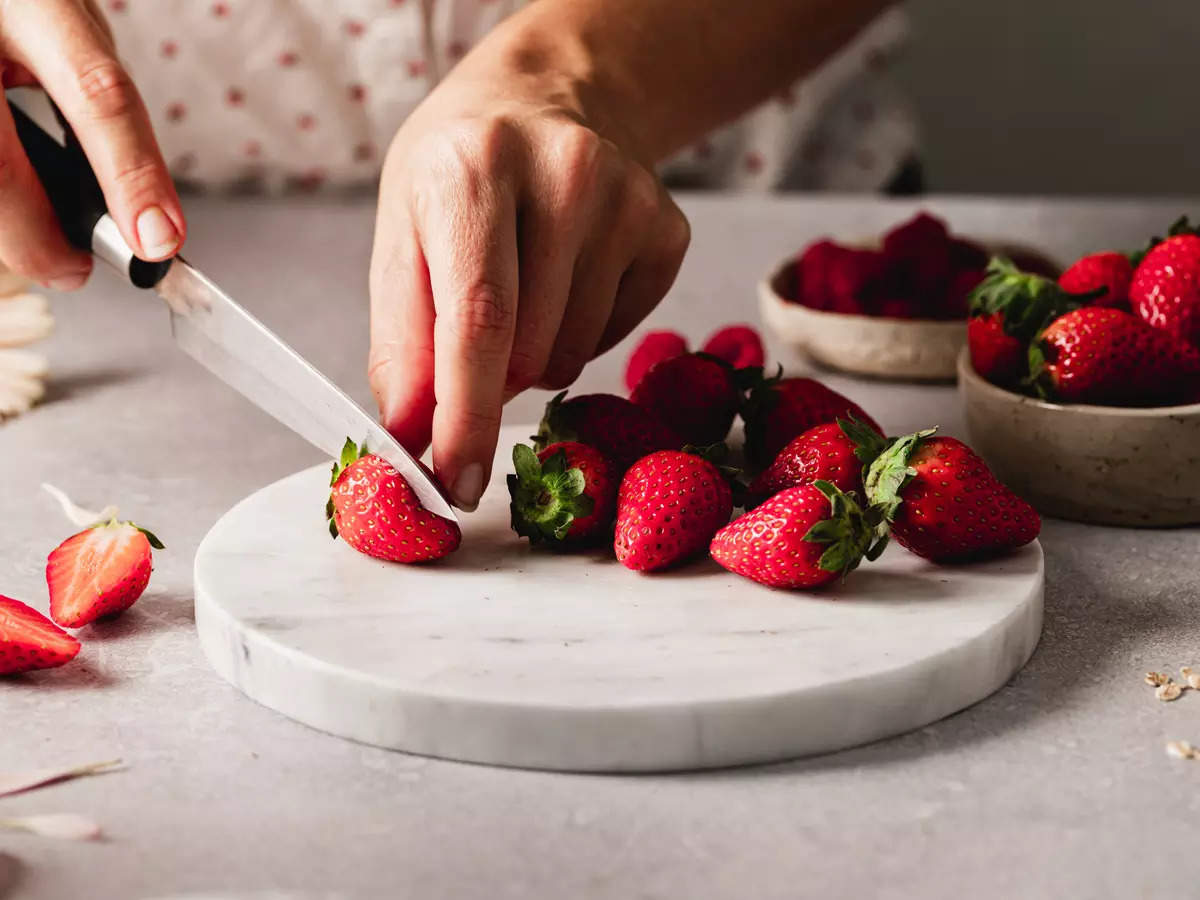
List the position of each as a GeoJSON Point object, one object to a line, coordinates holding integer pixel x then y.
{"type": "Point", "coordinates": [1083, 393]}
{"type": "Point", "coordinates": [889, 308]}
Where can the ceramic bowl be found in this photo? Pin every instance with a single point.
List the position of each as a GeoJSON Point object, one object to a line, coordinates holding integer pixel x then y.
{"type": "Point", "coordinates": [898, 349]}
{"type": "Point", "coordinates": [1105, 465]}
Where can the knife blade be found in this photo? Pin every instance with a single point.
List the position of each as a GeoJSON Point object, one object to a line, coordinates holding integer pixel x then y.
{"type": "Point", "coordinates": [207, 323]}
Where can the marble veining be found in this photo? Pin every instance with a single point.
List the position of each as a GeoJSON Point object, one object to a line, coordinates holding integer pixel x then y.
{"type": "Point", "coordinates": [503, 655]}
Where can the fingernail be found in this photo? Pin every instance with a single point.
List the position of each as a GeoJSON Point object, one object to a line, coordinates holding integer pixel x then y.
{"type": "Point", "coordinates": [156, 232]}
{"type": "Point", "coordinates": [67, 282]}
{"type": "Point", "coordinates": [468, 487]}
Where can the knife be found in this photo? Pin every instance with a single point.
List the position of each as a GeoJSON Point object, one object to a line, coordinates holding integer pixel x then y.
{"type": "Point", "coordinates": [205, 321]}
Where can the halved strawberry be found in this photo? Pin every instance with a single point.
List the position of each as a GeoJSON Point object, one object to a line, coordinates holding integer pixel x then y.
{"type": "Point", "coordinates": [101, 571]}
{"type": "Point", "coordinates": [28, 640]}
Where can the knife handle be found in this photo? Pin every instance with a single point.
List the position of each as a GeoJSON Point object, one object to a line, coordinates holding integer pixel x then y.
{"type": "Point", "coordinates": [78, 202]}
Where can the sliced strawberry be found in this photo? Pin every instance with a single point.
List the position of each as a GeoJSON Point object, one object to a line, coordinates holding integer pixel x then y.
{"type": "Point", "coordinates": [99, 572]}
{"type": "Point", "coordinates": [28, 640]}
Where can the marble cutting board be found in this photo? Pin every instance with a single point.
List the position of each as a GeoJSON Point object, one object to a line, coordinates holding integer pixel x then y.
{"type": "Point", "coordinates": [508, 656]}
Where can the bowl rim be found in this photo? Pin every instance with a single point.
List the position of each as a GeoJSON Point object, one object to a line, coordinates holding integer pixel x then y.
{"type": "Point", "coordinates": [967, 373]}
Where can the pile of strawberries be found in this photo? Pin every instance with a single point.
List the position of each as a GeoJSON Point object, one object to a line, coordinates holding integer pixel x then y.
{"type": "Point", "coordinates": [921, 272]}
{"type": "Point", "coordinates": [1115, 329]}
{"type": "Point", "coordinates": [98, 573]}
{"type": "Point", "coordinates": [647, 474]}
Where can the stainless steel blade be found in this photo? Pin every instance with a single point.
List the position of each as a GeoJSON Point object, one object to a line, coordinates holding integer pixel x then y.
{"type": "Point", "coordinates": [215, 331]}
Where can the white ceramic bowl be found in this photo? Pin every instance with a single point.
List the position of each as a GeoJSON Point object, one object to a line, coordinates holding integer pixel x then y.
{"type": "Point", "coordinates": [882, 347]}
{"type": "Point", "coordinates": [1105, 465]}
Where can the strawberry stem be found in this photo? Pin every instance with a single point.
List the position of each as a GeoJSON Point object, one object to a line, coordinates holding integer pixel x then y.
{"type": "Point", "coordinates": [547, 496]}
{"type": "Point", "coordinates": [849, 531]}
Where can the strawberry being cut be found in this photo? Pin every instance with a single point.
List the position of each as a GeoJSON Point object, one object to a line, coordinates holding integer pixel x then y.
{"type": "Point", "coordinates": [803, 537]}
{"type": "Point", "coordinates": [669, 506]}
{"type": "Point", "coordinates": [943, 503]}
{"type": "Point", "coordinates": [620, 429]}
{"type": "Point", "coordinates": [738, 345]}
{"type": "Point", "coordinates": [780, 409]}
{"type": "Point", "coordinates": [1110, 357]}
{"type": "Point", "coordinates": [832, 452]}
{"type": "Point", "coordinates": [696, 395]}
{"type": "Point", "coordinates": [653, 348]}
{"type": "Point", "coordinates": [375, 510]}
{"type": "Point", "coordinates": [565, 495]}
{"type": "Point", "coordinates": [28, 640]}
{"type": "Point", "coordinates": [1165, 290]}
{"type": "Point", "coordinates": [1105, 274]}
{"type": "Point", "coordinates": [102, 570]}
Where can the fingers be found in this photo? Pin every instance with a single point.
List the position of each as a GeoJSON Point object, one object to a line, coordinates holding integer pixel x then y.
{"type": "Point", "coordinates": [74, 60]}
{"type": "Point", "coordinates": [400, 365]}
{"type": "Point", "coordinates": [651, 274]}
{"type": "Point", "coordinates": [31, 242]}
{"type": "Point", "coordinates": [467, 228]}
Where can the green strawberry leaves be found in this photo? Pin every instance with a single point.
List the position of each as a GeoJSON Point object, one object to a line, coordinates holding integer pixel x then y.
{"type": "Point", "coordinates": [351, 453]}
{"type": "Point", "coordinates": [553, 428]}
{"type": "Point", "coordinates": [547, 496]}
{"type": "Point", "coordinates": [849, 531]}
{"type": "Point", "coordinates": [1027, 303]}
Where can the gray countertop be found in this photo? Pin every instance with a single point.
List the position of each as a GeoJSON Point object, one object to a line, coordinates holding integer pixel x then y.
{"type": "Point", "coordinates": [1055, 786]}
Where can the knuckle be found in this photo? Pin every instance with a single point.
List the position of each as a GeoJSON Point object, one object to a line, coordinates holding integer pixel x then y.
{"type": "Point", "coordinates": [524, 370]}
{"type": "Point", "coordinates": [477, 421]}
{"type": "Point", "coordinates": [564, 369]}
{"type": "Point", "coordinates": [676, 235]}
{"type": "Point", "coordinates": [640, 194]}
{"type": "Point", "coordinates": [483, 312]}
{"type": "Point", "coordinates": [106, 90]}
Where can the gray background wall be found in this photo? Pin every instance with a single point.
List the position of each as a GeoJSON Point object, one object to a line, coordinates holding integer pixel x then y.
{"type": "Point", "coordinates": [1058, 96]}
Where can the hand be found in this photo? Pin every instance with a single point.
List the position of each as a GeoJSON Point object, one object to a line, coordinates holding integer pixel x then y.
{"type": "Point", "coordinates": [64, 46]}
{"type": "Point", "coordinates": [517, 238]}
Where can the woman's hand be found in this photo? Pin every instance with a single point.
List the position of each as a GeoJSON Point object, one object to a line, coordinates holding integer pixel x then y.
{"type": "Point", "coordinates": [64, 46]}
{"type": "Point", "coordinates": [519, 234]}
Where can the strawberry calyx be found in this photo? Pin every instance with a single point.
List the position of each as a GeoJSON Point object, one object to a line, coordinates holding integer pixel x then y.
{"type": "Point", "coordinates": [849, 531]}
{"type": "Point", "coordinates": [886, 477]}
{"type": "Point", "coordinates": [351, 453]}
{"type": "Point", "coordinates": [868, 443]}
{"type": "Point", "coordinates": [1026, 303]}
{"type": "Point", "coordinates": [553, 429]}
{"type": "Point", "coordinates": [547, 496]}
{"type": "Point", "coordinates": [105, 518]}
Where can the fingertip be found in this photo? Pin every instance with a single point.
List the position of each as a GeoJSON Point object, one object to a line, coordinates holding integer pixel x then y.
{"type": "Point", "coordinates": [157, 234]}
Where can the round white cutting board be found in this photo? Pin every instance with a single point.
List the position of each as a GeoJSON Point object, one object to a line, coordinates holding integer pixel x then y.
{"type": "Point", "coordinates": [506, 655]}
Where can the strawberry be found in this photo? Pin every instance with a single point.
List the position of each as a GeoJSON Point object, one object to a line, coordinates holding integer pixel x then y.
{"type": "Point", "coordinates": [780, 409]}
{"type": "Point", "coordinates": [1008, 308]}
{"type": "Point", "coordinates": [566, 494]}
{"type": "Point", "coordinates": [943, 503]}
{"type": "Point", "coordinates": [696, 395]}
{"type": "Point", "coordinates": [1106, 274]}
{"type": "Point", "coordinates": [954, 304]}
{"type": "Point", "coordinates": [803, 537]}
{"type": "Point", "coordinates": [920, 252]}
{"type": "Point", "coordinates": [1165, 290]}
{"type": "Point", "coordinates": [1108, 356]}
{"type": "Point", "coordinates": [620, 429]}
{"type": "Point", "coordinates": [898, 306]}
{"type": "Point", "coordinates": [738, 345]}
{"type": "Point", "coordinates": [811, 274]}
{"type": "Point", "coordinates": [651, 349]}
{"type": "Point", "coordinates": [965, 254]}
{"type": "Point", "coordinates": [823, 453]}
{"type": "Point", "coordinates": [669, 506]}
{"type": "Point", "coordinates": [28, 640]}
{"type": "Point", "coordinates": [374, 510]}
{"type": "Point", "coordinates": [102, 571]}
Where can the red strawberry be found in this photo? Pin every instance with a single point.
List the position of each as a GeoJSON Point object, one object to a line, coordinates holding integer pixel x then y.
{"type": "Point", "coordinates": [898, 307]}
{"type": "Point", "coordinates": [811, 274]}
{"type": "Point", "coordinates": [920, 252]}
{"type": "Point", "coordinates": [566, 494]}
{"type": "Point", "coordinates": [803, 537]}
{"type": "Point", "coordinates": [620, 429]}
{"type": "Point", "coordinates": [996, 356]}
{"type": "Point", "coordinates": [651, 349]}
{"type": "Point", "coordinates": [1108, 272]}
{"type": "Point", "coordinates": [695, 395]}
{"type": "Point", "coordinates": [779, 410]}
{"type": "Point", "coordinates": [943, 503]}
{"type": "Point", "coordinates": [28, 640]}
{"type": "Point", "coordinates": [374, 510]}
{"type": "Point", "coordinates": [854, 277]}
{"type": "Point", "coordinates": [99, 572]}
{"type": "Point", "coordinates": [956, 301]}
{"type": "Point", "coordinates": [823, 453]}
{"type": "Point", "coordinates": [965, 254]}
{"type": "Point", "coordinates": [738, 345]}
{"type": "Point", "coordinates": [1108, 356]}
{"type": "Point", "coordinates": [1165, 290]}
{"type": "Point", "coordinates": [669, 506]}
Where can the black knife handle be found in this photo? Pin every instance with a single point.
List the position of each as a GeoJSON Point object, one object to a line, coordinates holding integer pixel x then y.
{"type": "Point", "coordinates": [73, 191]}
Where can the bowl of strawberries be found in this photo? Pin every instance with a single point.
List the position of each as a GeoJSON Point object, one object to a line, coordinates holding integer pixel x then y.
{"type": "Point", "coordinates": [893, 307]}
{"type": "Point", "coordinates": [1083, 393]}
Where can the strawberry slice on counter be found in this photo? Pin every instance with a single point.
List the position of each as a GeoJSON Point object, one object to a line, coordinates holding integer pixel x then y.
{"type": "Point", "coordinates": [375, 510]}
{"type": "Point", "coordinates": [804, 537]}
{"type": "Point", "coordinates": [29, 641]}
